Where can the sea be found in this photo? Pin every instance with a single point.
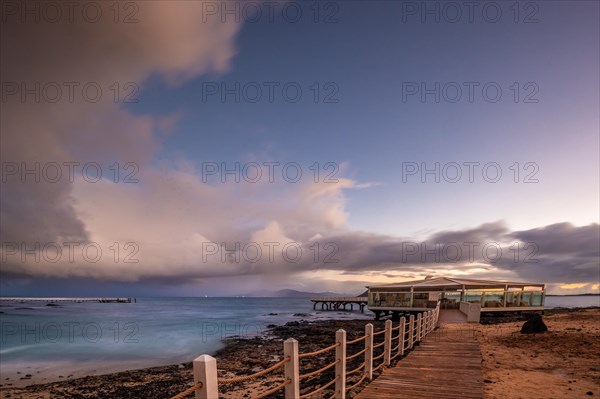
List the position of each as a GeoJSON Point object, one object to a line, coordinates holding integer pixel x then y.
{"type": "Point", "coordinates": [41, 343]}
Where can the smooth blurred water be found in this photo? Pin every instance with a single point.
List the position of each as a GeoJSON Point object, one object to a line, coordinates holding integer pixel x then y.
{"type": "Point", "coordinates": [581, 301]}
{"type": "Point", "coordinates": [90, 338]}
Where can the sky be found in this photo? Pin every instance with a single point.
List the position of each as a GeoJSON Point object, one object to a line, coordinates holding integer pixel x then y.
{"type": "Point", "coordinates": [219, 148]}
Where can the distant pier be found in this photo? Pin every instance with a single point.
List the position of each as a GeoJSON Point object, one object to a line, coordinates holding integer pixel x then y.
{"type": "Point", "coordinates": [76, 300]}
{"type": "Point", "coordinates": [340, 303]}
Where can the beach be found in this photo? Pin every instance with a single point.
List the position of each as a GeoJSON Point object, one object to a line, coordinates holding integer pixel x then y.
{"type": "Point", "coordinates": [559, 363]}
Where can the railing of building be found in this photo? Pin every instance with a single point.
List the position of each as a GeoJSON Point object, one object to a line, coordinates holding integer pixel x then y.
{"type": "Point", "coordinates": [379, 350]}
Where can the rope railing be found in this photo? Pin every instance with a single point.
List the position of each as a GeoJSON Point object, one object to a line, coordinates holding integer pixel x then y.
{"type": "Point", "coordinates": [319, 371]}
{"type": "Point", "coordinates": [379, 345]}
{"type": "Point", "coordinates": [272, 391]}
{"type": "Point", "coordinates": [357, 383]}
{"type": "Point", "coordinates": [324, 387]}
{"type": "Point", "coordinates": [411, 331]}
{"type": "Point", "coordinates": [303, 355]}
{"type": "Point", "coordinates": [188, 391]}
{"type": "Point", "coordinates": [356, 370]}
{"type": "Point", "coordinates": [253, 376]}
{"type": "Point", "coordinates": [357, 340]}
{"type": "Point", "coordinates": [357, 354]}
{"type": "Point", "coordinates": [379, 367]}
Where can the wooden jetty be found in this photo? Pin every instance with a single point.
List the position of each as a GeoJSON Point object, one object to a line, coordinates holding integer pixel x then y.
{"type": "Point", "coordinates": [340, 303]}
{"type": "Point", "coordinates": [77, 300]}
{"type": "Point", "coordinates": [440, 367]}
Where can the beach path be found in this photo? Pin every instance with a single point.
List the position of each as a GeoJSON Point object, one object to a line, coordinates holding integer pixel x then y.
{"type": "Point", "coordinates": [441, 366]}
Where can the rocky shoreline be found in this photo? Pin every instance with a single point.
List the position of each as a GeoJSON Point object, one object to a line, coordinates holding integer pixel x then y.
{"type": "Point", "coordinates": [239, 357]}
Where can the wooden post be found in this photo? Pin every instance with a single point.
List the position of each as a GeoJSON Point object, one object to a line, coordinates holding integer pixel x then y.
{"type": "Point", "coordinates": [418, 335]}
{"type": "Point", "coordinates": [402, 333]}
{"type": "Point", "coordinates": [387, 345]}
{"type": "Point", "coordinates": [292, 368]}
{"type": "Point", "coordinates": [428, 322]}
{"type": "Point", "coordinates": [411, 325]}
{"type": "Point", "coordinates": [369, 352]}
{"type": "Point", "coordinates": [340, 367]}
{"type": "Point", "coordinates": [205, 371]}
{"type": "Point", "coordinates": [432, 316]}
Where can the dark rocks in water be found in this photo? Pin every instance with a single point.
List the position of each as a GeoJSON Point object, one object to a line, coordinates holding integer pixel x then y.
{"type": "Point", "coordinates": [24, 309]}
{"type": "Point", "coordinates": [301, 314]}
{"type": "Point", "coordinates": [292, 324]}
{"type": "Point", "coordinates": [534, 325]}
{"type": "Point", "coordinates": [53, 304]}
{"type": "Point", "coordinates": [272, 314]}
{"type": "Point", "coordinates": [272, 326]}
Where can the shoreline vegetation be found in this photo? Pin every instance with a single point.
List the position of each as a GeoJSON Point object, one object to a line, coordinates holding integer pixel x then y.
{"type": "Point", "coordinates": [559, 363]}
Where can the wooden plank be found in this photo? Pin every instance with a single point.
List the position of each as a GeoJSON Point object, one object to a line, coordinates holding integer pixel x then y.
{"type": "Point", "coordinates": [440, 367]}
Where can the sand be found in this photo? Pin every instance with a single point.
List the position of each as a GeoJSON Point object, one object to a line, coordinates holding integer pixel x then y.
{"type": "Point", "coordinates": [564, 362]}
{"type": "Point", "coordinates": [561, 363]}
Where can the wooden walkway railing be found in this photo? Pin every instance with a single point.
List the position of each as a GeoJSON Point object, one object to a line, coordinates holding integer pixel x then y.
{"type": "Point", "coordinates": [395, 342]}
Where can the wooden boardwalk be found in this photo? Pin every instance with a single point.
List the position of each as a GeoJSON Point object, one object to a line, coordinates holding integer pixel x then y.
{"type": "Point", "coordinates": [440, 367]}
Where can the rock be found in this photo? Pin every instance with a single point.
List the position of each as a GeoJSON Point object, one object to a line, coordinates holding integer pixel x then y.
{"type": "Point", "coordinates": [534, 325]}
{"type": "Point", "coordinates": [590, 393]}
{"type": "Point", "coordinates": [488, 381]}
{"type": "Point", "coordinates": [180, 366]}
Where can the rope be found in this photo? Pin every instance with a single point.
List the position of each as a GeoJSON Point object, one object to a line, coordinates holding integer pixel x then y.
{"type": "Point", "coordinates": [379, 333]}
{"type": "Point", "coordinates": [378, 367]}
{"type": "Point", "coordinates": [319, 371]}
{"type": "Point", "coordinates": [378, 345]}
{"type": "Point", "coordinates": [357, 384]}
{"type": "Point", "coordinates": [395, 348]}
{"type": "Point", "coordinates": [395, 356]}
{"type": "Point", "coordinates": [302, 356]}
{"type": "Point", "coordinates": [357, 354]}
{"type": "Point", "coordinates": [356, 370]}
{"type": "Point", "coordinates": [188, 391]}
{"type": "Point", "coordinates": [356, 340]}
{"type": "Point", "coordinates": [379, 357]}
{"type": "Point", "coordinates": [333, 396]}
{"type": "Point", "coordinates": [272, 391]}
{"type": "Point", "coordinates": [324, 387]}
{"type": "Point", "coordinates": [252, 376]}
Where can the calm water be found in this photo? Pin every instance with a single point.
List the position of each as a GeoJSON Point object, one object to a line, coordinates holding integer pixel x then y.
{"type": "Point", "coordinates": [572, 301]}
{"type": "Point", "coordinates": [87, 338]}
{"type": "Point", "coordinates": [92, 338]}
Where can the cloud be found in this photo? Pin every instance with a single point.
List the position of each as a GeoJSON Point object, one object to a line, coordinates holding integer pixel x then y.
{"type": "Point", "coordinates": [165, 228]}
{"type": "Point", "coordinates": [169, 40]}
